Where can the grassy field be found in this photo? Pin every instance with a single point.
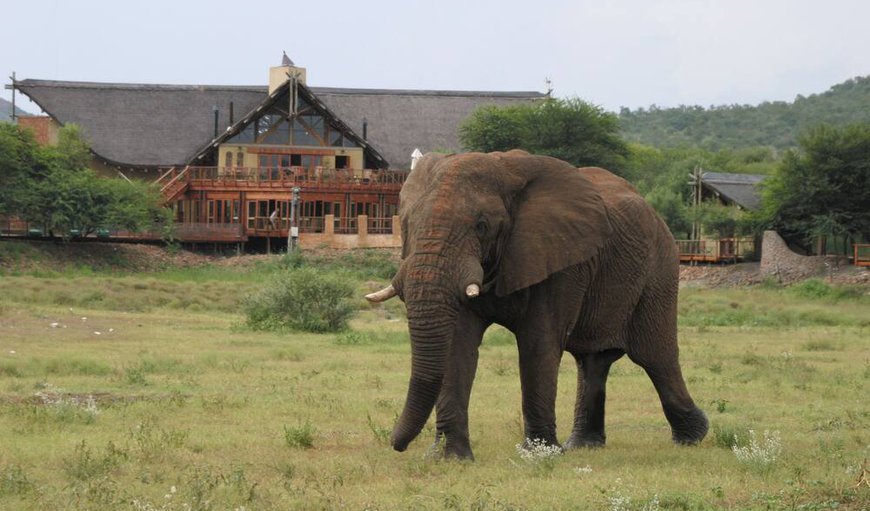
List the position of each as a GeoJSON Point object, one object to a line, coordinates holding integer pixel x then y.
{"type": "Point", "coordinates": [144, 391]}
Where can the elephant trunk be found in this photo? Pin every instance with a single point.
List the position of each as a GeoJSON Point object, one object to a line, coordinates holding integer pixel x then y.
{"type": "Point", "coordinates": [432, 311]}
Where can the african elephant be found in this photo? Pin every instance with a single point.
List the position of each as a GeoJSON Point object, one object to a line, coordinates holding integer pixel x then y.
{"type": "Point", "coordinates": [567, 259]}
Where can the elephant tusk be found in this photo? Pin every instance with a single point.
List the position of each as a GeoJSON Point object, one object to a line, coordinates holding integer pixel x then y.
{"type": "Point", "coordinates": [382, 295]}
{"type": "Point", "coordinates": [472, 291]}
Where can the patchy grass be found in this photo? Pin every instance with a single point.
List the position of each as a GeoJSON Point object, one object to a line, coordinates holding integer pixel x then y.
{"type": "Point", "coordinates": [178, 407]}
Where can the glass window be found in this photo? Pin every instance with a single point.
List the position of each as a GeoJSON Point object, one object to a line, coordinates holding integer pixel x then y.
{"type": "Point", "coordinates": [246, 136]}
{"type": "Point", "coordinates": [273, 129]}
{"type": "Point", "coordinates": [240, 159]}
{"type": "Point", "coordinates": [335, 138]}
{"type": "Point", "coordinates": [315, 125]}
{"type": "Point", "coordinates": [302, 136]}
{"type": "Point", "coordinates": [228, 160]}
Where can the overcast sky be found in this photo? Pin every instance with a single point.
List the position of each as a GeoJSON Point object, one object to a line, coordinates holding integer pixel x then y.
{"type": "Point", "coordinates": [612, 53]}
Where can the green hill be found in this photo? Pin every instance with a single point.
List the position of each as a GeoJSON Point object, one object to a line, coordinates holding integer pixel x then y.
{"type": "Point", "coordinates": [6, 110]}
{"type": "Point", "coordinates": [776, 124]}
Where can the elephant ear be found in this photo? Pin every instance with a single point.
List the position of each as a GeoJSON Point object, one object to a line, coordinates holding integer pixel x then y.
{"type": "Point", "coordinates": [559, 220]}
{"type": "Point", "coordinates": [419, 180]}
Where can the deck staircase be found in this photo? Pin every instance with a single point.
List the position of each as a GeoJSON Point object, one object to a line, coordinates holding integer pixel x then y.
{"type": "Point", "coordinates": [173, 183]}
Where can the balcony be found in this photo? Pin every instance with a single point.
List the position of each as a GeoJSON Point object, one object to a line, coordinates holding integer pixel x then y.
{"type": "Point", "coordinates": [267, 178]}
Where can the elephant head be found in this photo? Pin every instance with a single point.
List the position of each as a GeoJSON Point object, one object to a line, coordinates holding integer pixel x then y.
{"type": "Point", "coordinates": [481, 223]}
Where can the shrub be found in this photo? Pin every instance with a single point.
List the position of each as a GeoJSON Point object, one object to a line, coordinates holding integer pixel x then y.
{"type": "Point", "coordinates": [305, 299]}
{"type": "Point", "coordinates": [299, 437]}
{"type": "Point", "coordinates": [729, 437]}
{"type": "Point", "coordinates": [820, 290]}
{"type": "Point", "coordinates": [14, 481]}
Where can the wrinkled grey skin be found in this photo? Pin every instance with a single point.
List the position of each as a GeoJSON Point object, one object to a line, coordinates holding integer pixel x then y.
{"type": "Point", "coordinates": [567, 259]}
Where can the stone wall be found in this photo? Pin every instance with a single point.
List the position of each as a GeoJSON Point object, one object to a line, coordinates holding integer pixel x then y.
{"type": "Point", "coordinates": [362, 239]}
{"type": "Point", "coordinates": [780, 263]}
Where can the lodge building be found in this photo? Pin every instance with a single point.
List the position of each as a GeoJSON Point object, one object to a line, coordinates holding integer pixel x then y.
{"type": "Point", "coordinates": [228, 159]}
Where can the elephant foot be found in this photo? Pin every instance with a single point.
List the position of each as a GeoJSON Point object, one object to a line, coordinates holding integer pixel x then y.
{"type": "Point", "coordinates": [447, 447]}
{"type": "Point", "coordinates": [688, 428]}
{"type": "Point", "coordinates": [585, 440]}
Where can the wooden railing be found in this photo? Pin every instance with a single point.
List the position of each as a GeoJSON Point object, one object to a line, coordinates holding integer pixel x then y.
{"type": "Point", "coordinates": [380, 225]}
{"type": "Point", "coordinates": [715, 250]}
{"type": "Point", "coordinates": [281, 176]}
{"type": "Point", "coordinates": [862, 254]}
{"type": "Point", "coordinates": [348, 225]}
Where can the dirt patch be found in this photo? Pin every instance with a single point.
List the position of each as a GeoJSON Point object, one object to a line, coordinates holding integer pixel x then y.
{"type": "Point", "coordinates": [19, 255]}
{"type": "Point", "coordinates": [744, 274]}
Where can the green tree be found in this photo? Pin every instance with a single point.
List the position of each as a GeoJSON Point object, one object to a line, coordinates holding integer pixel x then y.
{"type": "Point", "coordinates": [723, 221]}
{"type": "Point", "coordinates": [21, 162]}
{"type": "Point", "coordinates": [823, 188]}
{"type": "Point", "coordinates": [569, 129]}
{"type": "Point", "coordinates": [673, 209]}
{"type": "Point", "coordinates": [772, 124]}
{"type": "Point", "coordinates": [52, 187]}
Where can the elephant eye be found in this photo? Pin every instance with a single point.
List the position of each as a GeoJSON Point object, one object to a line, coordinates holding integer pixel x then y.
{"type": "Point", "coordinates": [481, 228]}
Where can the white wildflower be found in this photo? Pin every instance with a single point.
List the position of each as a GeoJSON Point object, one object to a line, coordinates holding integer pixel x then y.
{"type": "Point", "coordinates": [652, 505]}
{"type": "Point", "coordinates": [583, 470]}
{"type": "Point", "coordinates": [619, 502]}
{"type": "Point", "coordinates": [763, 453]}
{"type": "Point", "coordinates": [534, 451]}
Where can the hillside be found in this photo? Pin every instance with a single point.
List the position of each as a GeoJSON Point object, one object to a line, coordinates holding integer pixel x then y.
{"type": "Point", "coordinates": [6, 110]}
{"type": "Point", "coordinates": [776, 124]}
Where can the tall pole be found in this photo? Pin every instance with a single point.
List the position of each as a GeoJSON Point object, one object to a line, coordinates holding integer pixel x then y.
{"type": "Point", "coordinates": [293, 234]}
{"type": "Point", "coordinates": [13, 97]}
{"type": "Point", "coordinates": [695, 183]}
{"type": "Point", "coordinates": [12, 88]}
{"type": "Point", "coordinates": [216, 111]}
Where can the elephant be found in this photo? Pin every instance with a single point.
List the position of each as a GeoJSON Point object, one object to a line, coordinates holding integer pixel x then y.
{"type": "Point", "coordinates": [567, 259]}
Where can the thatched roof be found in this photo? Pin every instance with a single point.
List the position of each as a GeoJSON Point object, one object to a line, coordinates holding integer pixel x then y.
{"type": "Point", "coordinates": [401, 120]}
{"type": "Point", "coordinates": [142, 125]}
{"type": "Point", "coordinates": [373, 158]}
{"type": "Point", "coordinates": [740, 189]}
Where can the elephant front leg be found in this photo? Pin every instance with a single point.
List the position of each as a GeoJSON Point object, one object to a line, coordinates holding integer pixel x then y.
{"type": "Point", "coordinates": [451, 409]}
{"type": "Point", "coordinates": [592, 371]}
{"type": "Point", "coordinates": [539, 370]}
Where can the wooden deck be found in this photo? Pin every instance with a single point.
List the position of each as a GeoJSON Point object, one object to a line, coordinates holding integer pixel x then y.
{"type": "Point", "coordinates": [725, 250]}
{"type": "Point", "coordinates": [862, 255]}
{"type": "Point", "coordinates": [175, 182]}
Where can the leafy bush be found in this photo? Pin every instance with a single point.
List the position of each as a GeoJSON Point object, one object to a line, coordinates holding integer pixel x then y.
{"type": "Point", "coordinates": [818, 289]}
{"type": "Point", "coordinates": [305, 299]}
{"type": "Point", "coordinates": [299, 437]}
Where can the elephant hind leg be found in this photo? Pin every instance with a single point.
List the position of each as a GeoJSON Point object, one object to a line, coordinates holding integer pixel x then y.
{"type": "Point", "coordinates": [688, 423]}
{"type": "Point", "coordinates": [592, 371]}
{"type": "Point", "coordinates": [654, 347]}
